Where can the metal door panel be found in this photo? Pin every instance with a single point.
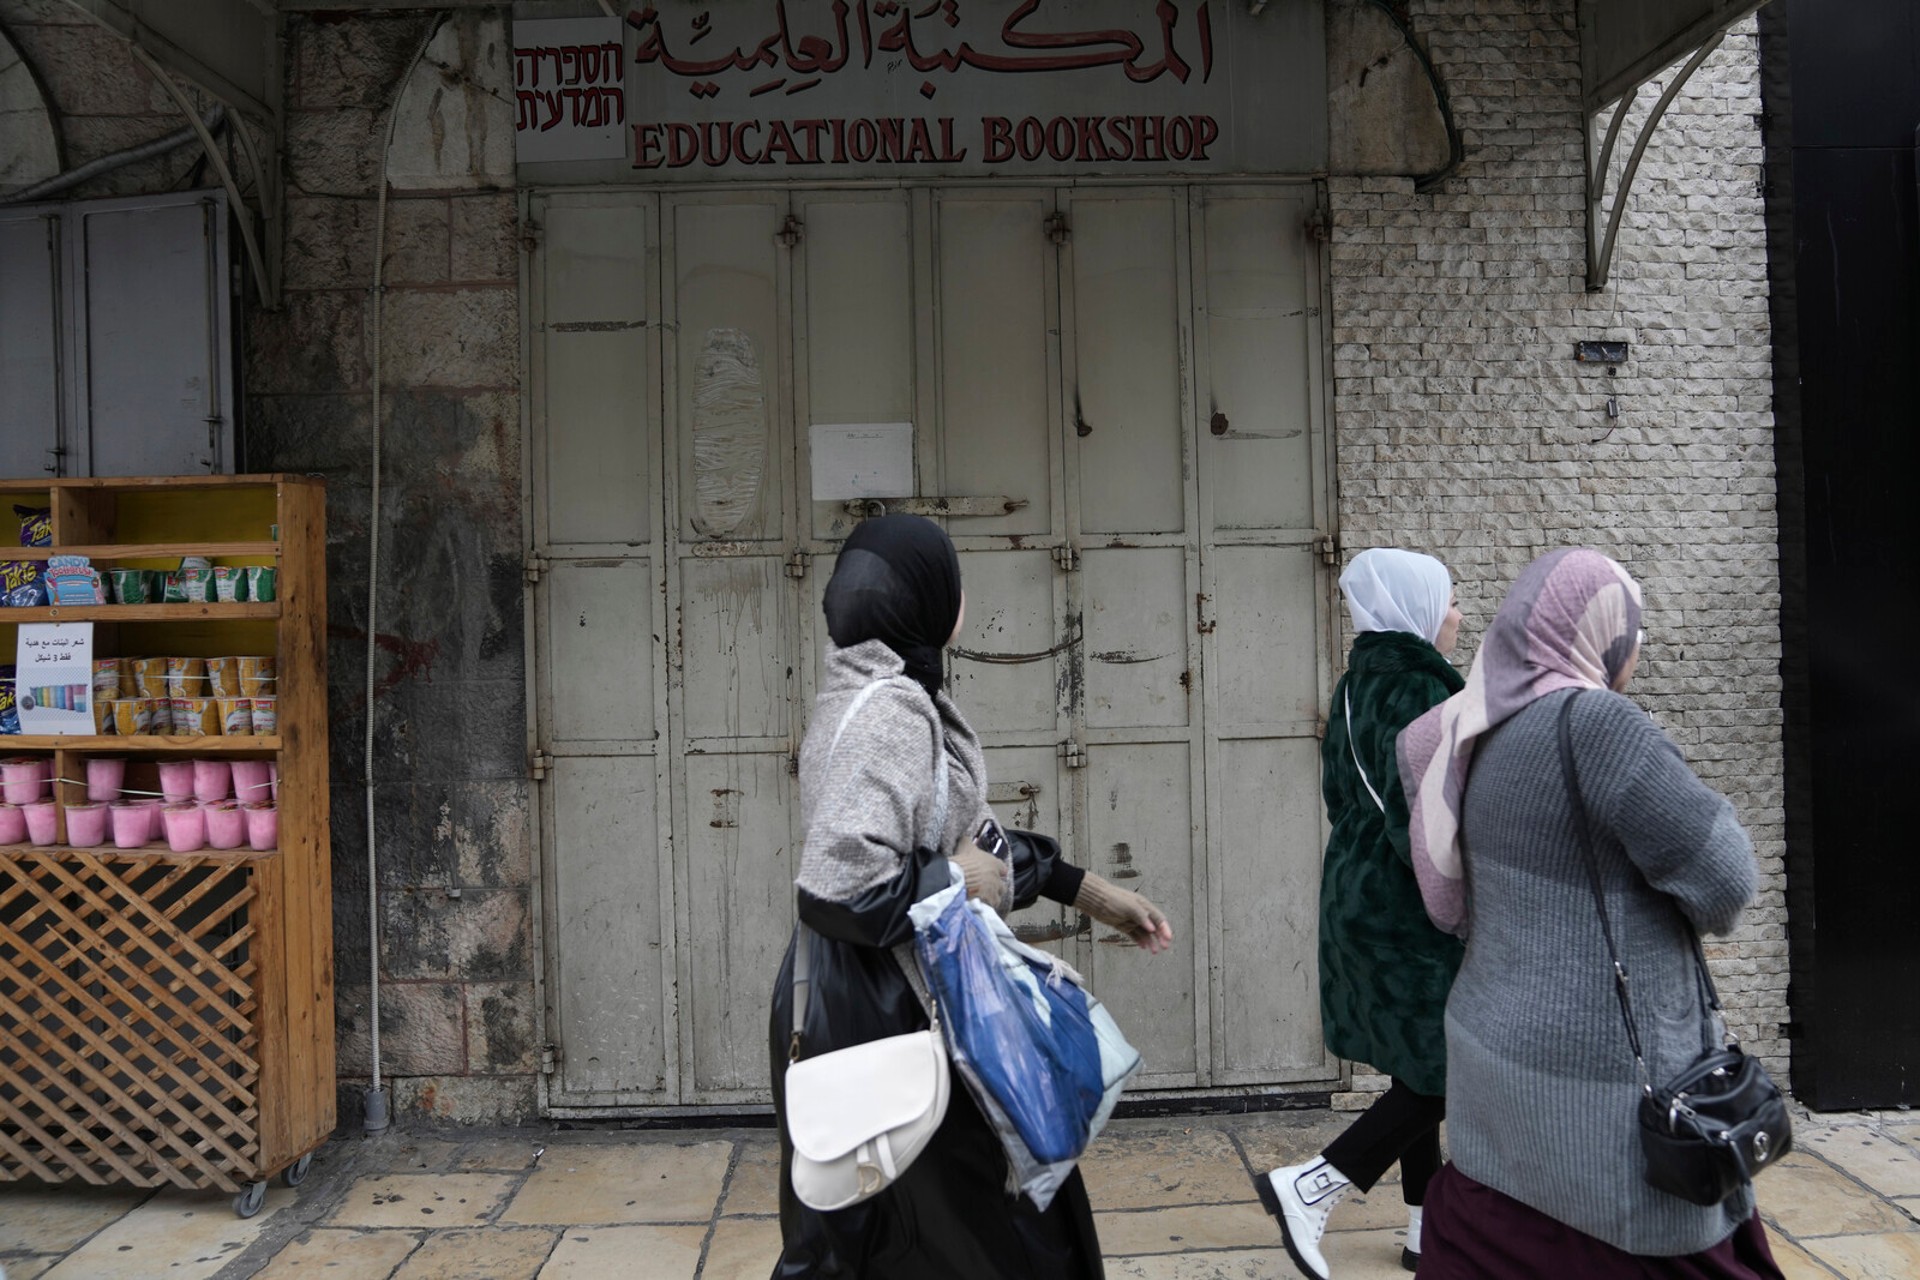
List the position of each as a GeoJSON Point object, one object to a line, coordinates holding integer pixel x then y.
{"type": "Point", "coordinates": [739, 865]}
{"type": "Point", "coordinates": [1022, 792]}
{"type": "Point", "coordinates": [158, 371]}
{"type": "Point", "coordinates": [594, 357]}
{"type": "Point", "coordinates": [29, 352]}
{"type": "Point", "coordinates": [1261, 325]}
{"type": "Point", "coordinates": [1265, 669]}
{"type": "Point", "coordinates": [1128, 339]}
{"type": "Point", "coordinates": [1139, 834]}
{"type": "Point", "coordinates": [1137, 605]}
{"type": "Point", "coordinates": [1268, 901]}
{"type": "Point", "coordinates": [729, 369]}
{"type": "Point", "coordinates": [738, 657]}
{"type": "Point", "coordinates": [609, 997]}
{"type": "Point", "coordinates": [998, 382]}
{"type": "Point", "coordinates": [1006, 663]}
{"type": "Point", "coordinates": [601, 655]}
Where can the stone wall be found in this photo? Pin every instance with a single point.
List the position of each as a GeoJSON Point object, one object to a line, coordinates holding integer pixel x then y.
{"type": "Point", "coordinates": [1465, 428]}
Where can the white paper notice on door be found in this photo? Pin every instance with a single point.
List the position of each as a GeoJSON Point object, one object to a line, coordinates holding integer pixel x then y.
{"type": "Point", "coordinates": [862, 460]}
{"type": "Point", "coordinates": [53, 677]}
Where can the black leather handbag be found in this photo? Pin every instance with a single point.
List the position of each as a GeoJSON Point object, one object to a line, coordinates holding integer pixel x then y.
{"type": "Point", "coordinates": [1708, 1131]}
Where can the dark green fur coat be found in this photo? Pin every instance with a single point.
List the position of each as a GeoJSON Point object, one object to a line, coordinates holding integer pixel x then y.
{"type": "Point", "coordinates": [1384, 968]}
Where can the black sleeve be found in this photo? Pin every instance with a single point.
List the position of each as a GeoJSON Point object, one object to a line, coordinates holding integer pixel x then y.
{"type": "Point", "coordinates": [1039, 871]}
{"type": "Point", "coordinates": [877, 917]}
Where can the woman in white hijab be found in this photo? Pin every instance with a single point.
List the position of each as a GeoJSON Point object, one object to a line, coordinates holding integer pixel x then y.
{"type": "Point", "coordinates": [1384, 968]}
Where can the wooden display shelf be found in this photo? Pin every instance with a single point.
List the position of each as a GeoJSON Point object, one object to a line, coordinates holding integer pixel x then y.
{"type": "Point", "coordinates": [168, 1016]}
{"type": "Point", "coordinates": [114, 743]}
{"type": "Point", "coordinates": [194, 611]}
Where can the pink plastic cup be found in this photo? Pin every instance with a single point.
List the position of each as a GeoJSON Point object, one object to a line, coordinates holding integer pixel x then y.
{"type": "Point", "coordinates": [212, 780]}
{"type": "Point", "coordinates": [263, 826]}
{"type": "Point", "coordinates": [186, 827]}
{"type": "Point", "coordinates": [226, 824]}
{"type": "Point", "coordinates": [273, 779]}
{"type": "Point", "coordinates": [176, 780]}
{"type": "Point", "coordinates": [86, 825]}
{"type": "Point", "coordinates": [105, 777]}
{"type": "Point", "coordinates": [251, 782]}
{"type": "Point", "coordinates": [132, 823]}
{"type": "Point", "coordinates": [23, 779]}
{"type": "Point", "coordinates": [13, 824]}
{"type": "Point", "coordinates": [40, 821]}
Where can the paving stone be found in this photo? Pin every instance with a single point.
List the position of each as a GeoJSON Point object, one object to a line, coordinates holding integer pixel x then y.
{"type": "Point", "coordinates": [494, 1253]}
{"type": "Point", "coordinates": [328, 1254]}
{"type": "Point", "coordinates": [756, 1179]}
{"type": "Point", "coordinates": [621, 1183]}
{"type": "Point", "coordinates": [1796, 1263]}
{"type": "Point", "coordinates": [1889, 1167]}
{"type": "Point", "coordinates": [430, 1200]}
{"type": "Point", "coordinates": [195, 1231]}
{"type": "Point", "coordinates": [1870, 1257]}
{"type": "Point", "coordinates": [40, 1219]}
{"type": "Point", "coordinates": [1806, 1197]}
{"type": "Point", "coordinates": [1248, 1264]}
{"type": "Point", "coordinates": [30, 1268]}
{"type": "Point", "coordinates": [1148, 1168]}
{"type": "Point", "coordinates": [1186, 1228]}
{"type": "Point", "coordinates": [1364, 1255]}
{"type": "Point", "coordinates": [412, 1152]}
{"type": "Point", "coordinates": [742, 1249]}
{"type": "Point", "coordinates": [1289, 1138]}
{"type": "Point", "coordinates": [609, 1253]}
{"type": "Point", "coordinates": [499, 1155]}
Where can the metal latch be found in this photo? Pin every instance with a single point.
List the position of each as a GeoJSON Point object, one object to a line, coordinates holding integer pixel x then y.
{"type": "Point", "coordinates": [1067, 557]}
{"type": "Point", "coordinates": [1073, 753]}
{"type": "Point", "coordinates": [1329, 548]}
{"type": "Point", "coordinates": [535, 566]}
{"type": "Point", "coordinates": [538, 767]}
{"type": "Point", "coordinates": [797, 564]}
{"type": "Point", "coordinates": [1057, 229]}
{"type": "Point", "coordinates": [549, 1059]}
{"type": "Point", "coordinates": [789, 232]}
{"type": "Point", "coordinates": [971, 505]}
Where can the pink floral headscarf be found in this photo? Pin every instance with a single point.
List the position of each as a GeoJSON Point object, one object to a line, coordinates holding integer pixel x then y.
{"type": "Point", "coordinates": [1570, 621]}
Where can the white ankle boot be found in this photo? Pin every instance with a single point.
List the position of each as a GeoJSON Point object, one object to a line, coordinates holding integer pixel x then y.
{"type": "Point", "coordinates": [1410, 1255]}
{"type": "Point", "coordinates": [1300, 1197]}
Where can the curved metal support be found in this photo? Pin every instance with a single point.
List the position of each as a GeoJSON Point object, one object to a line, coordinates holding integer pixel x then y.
{"type": "Point", "coordinates": [1600, 255]}
{"type": "Point", "coordinates": [1456, 148]}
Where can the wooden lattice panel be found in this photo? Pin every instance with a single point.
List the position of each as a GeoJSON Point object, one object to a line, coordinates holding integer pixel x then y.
{"type": "Point", "coordinates": [127, 1043]}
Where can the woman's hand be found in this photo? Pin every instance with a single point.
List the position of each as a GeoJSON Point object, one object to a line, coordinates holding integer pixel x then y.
{"type": "Point", "coordinates": [1131, 913]}
{"type": "Point", "coordinates": [988, 878]}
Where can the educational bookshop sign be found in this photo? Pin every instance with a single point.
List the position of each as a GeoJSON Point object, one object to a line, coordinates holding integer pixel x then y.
{"type": "Point", "coordinates": [797, 90]}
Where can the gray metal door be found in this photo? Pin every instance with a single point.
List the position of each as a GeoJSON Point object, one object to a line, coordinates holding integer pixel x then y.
{"type": "Point", "coordinates": [1145, 653]}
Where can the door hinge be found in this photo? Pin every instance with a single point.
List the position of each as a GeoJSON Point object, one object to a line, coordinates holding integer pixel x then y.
{"type": "Point", "coordinates": [1067, 557]}
{"type": "Point", "coordinates": [797, 564]}
{"type": "Point", "coordinates": [534, 567]}
{"type": "Point", "coordinates": [789, 232]}
{"type": "Point", "coordinates": [1073, 753]}
{"type": "Point", "coordinates": [539, 766]}
{"type": "Point", "coordinates": [1057, 229]}
{"type": "Point", "coordinates": [549, 1059]}
{"type": "Point", "coordinates": [1320, 225]}
{"type": "Point", "coordinates": [530, 232]}
{"type": "Point", "coordinates": [1329, 548]}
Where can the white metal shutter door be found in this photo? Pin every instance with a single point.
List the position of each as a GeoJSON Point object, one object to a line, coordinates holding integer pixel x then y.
{"type": "Point", "coordinates": [1260, 441]}
{"type": "Point", "coordinates": [29, 343]}
{"type": "Point", "coordinates": [608, 905]}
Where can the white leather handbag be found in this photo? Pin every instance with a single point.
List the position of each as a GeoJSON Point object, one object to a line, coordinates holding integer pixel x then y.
{"type": "Point", "coordinates": [858, 1116]}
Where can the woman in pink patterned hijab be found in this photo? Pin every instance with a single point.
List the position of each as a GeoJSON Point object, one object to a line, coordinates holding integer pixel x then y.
{"type": "Point", "coordinates": [1570, 621]}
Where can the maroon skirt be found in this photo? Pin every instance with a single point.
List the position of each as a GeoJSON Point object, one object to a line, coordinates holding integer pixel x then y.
{"type": "Point", "coordinates": [1472, 1232]}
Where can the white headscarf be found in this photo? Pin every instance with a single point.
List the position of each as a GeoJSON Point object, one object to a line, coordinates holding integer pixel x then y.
{"type": "Point", "coordinates": [1388, 589]}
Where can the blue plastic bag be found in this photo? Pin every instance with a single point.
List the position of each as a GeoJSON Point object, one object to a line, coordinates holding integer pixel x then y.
{"type": "Point", "coordinates": [1017, 1028]}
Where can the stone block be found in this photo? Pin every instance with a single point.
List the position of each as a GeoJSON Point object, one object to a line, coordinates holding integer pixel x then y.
{"type": "Point", "coordinates": [483, 934]}
{"type": "Point", "coordinates": [315, 342]}
{"type": "Point", "coordinates": [502, 1034]}
{"type": "Point", "coordinates": [485, 235]}
{"type": "Point", "coordinates": [356, 63]}
{"type": "Point", "coordinates": [335, 151]}
{"type": "Point", "coordinates": [421, 1028]}
{"type": "Point", "coordinates": [467, 338]}
{"type": "Point", "coordinates": [465, 1100]}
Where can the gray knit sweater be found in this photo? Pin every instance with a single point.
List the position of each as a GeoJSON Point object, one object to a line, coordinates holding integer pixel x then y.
{"type": "Point", "coordinates": [1541, 1086]}
{"type": "Point", "coordinates": [870, 804]}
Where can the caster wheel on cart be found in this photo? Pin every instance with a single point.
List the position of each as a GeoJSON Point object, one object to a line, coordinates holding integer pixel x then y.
{"type": "Point", "coordinates": [296, 1173]}
{"type": "Point", "coordinates": [248, 1202]}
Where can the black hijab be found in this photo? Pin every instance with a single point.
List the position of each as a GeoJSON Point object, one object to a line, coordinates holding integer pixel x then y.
{"type": "Point", "coordinates": [897, 581]}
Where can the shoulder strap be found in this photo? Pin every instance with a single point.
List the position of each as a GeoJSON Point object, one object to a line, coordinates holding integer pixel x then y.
{"type": "Point", "coordinates": [1355, 751]}
{"type": "Point", "coordinates": [803, 940]}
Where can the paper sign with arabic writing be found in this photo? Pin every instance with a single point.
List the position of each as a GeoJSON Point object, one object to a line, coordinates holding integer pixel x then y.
{"type": "Point", "coordinates": [780, 90]}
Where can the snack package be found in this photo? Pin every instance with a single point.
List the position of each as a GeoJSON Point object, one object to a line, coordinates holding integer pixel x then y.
{"type": "Point", "coordinates": [9, 714]}
{"type": "Point", "coordinates": [22, 581]}
{"type": "Point", "coordinates": [230, 583]}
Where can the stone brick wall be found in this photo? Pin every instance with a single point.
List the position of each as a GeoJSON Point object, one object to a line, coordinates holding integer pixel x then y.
{"type": "Point", "coordinates": [1465, 428]}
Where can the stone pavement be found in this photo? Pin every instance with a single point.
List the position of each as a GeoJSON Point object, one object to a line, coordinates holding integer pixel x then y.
{"type": "Point", "coordinates": [1172, 1197]}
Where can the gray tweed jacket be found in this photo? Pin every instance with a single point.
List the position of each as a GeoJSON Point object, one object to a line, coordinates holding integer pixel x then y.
{"type": "Point", "coordinates": [1541, 1087]}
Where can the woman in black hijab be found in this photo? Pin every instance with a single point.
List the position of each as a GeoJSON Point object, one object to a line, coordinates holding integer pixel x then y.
{"type": "Point", "coordinates": [877, 839]}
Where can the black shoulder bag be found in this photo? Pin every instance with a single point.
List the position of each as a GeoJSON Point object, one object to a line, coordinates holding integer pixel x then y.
{"type": "Point", "coordinates": [1710, 1129]}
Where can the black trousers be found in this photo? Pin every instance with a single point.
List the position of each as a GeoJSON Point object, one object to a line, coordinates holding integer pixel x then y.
{"type": "Point", "coordinates": [1402, 1125]}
